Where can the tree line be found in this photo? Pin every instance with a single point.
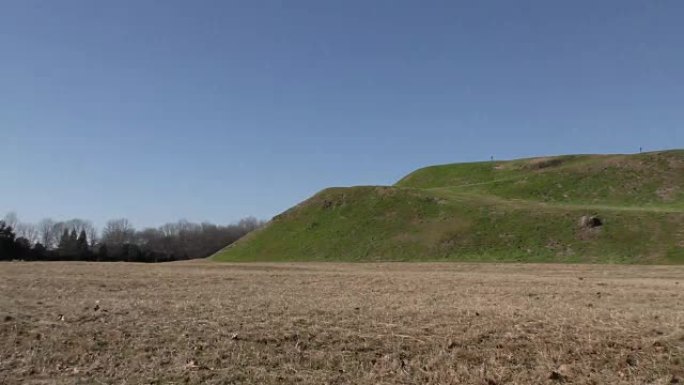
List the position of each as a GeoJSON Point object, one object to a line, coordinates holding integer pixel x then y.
{"type": "Point", "coordinates": [79, 240]}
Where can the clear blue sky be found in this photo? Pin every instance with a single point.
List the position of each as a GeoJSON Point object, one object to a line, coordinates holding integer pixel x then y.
{"type": "Point", "coordinates": [215, 110]}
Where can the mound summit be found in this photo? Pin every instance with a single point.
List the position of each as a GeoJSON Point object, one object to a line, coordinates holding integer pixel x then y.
{"type": "Point", "coordinates": [574, 208]}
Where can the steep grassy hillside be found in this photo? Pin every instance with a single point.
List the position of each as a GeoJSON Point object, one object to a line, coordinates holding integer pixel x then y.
{"type": "Point", "coordinates": [522, 210]}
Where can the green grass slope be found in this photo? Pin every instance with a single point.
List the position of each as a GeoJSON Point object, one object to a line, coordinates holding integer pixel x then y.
{"type": "Point", "coordinates": [521, 210]}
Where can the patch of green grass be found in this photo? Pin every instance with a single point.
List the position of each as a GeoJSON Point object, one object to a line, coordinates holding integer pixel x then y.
{"type": "Point", "coordinates": [676, 254]}
{"type": "Point", "coordinates": [523, 210]}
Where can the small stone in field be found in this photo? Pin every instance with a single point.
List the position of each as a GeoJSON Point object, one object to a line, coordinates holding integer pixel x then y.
{"type": "Point", "coordinates": [8, 318]}
{"type": "Point", "coordinates": [556, 375]}
{"type": "Point", "coordinates": [234, 336]}
{"type": "Point", "coordinates": [560, 374]}
{"type": "Point", "coordinates": [631, 360]}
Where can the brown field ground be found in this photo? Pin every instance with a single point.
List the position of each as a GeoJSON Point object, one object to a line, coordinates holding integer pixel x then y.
{"type": "Point", "coordinates": [327, 323]}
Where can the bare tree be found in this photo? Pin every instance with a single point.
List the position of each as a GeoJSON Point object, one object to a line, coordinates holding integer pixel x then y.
{"type": "Point", "coordinates": [29, 231]}
{"type": "Point", "coordinates": [46, 233]}
{"type": "Point", "coordinates": [58, 230]}
{"type": "Point", "coordinates": [92, 234]}
{"type": "Point", "coordinates": [249, 224]}
{"type": "Point", "coordinates": [72, 225]}
{"type": "Point", "coordinates": [118, 232]}
{"type": "Point", "coordinates": [169, 230]}
{"type": "Point", "coordinates": [11, 219]}
{"type": "Point", "coordinates": [78, 225]}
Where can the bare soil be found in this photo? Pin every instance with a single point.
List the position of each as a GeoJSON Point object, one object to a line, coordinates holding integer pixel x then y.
{"type": "Point", "coordinates": [328, 323]}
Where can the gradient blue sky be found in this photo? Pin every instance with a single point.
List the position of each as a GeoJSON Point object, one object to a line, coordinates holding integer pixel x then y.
{"type": "Point", "coordinates": [215, 110]}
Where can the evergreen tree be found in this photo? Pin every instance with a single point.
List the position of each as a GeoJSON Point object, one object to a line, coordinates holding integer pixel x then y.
{"type": "Point", "coordinates": [73, 240]}
{"type": "Point", "coordinates": [7, 245]}
{"type": "Point", "coordinates": [68, 244]}
{"type": "Point", "coordinates": [22, 248]}
{"type": "Point", "coordinates": [82, 245]}
{"type": "Point", "coordinates": [63, 245]}
{"type": "Point", "coordinates": [39, 252]}
{"type": "Point", "coordinates": [72, 249]}
{"type": "Point", "coordinates": [102, 254]}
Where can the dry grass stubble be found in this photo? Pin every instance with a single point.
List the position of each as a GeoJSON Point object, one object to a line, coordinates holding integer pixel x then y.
{"type": "Point", "coordinates": [201, 322]}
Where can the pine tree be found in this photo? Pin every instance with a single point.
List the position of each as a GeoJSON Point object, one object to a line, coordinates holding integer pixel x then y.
{"type": "Point", "coordinates": [72, 249]}
{"type": "Point", "coordinates": [102, 254]}
{"type": "Point", "coordinates": [63, 246]}
{"type": "Point", "coordinates": [73, 239]}
{"type": "Point", "coordinates": [7, 245]}
{"type": "Point", "coordinates": [68, 245]}
{"type": "Point", "coordinates": [82, 245]}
